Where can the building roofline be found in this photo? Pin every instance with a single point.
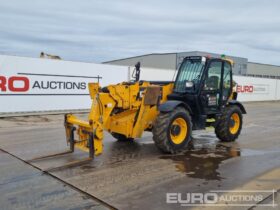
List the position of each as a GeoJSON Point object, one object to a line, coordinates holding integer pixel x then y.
{"type": "Point", "coordinates": [215, 54]}
{"type": "Point", "coordinates": [264, 64]}
{"type": "Point", "coordinates": [138, 56]}
{"type": "Point", "coordinates": [176, 53]}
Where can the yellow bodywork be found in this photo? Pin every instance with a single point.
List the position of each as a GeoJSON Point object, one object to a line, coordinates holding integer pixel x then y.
{"type": "Point", "coordinates": [127, 109]}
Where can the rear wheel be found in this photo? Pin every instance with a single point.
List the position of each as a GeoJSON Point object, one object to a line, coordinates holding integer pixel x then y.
{"type": "Point", "coordinates": [230, 124]}
{"type": "Point", "coordinates": [172, 130]}
{"type": "Point", "coordinates": [121, 137]}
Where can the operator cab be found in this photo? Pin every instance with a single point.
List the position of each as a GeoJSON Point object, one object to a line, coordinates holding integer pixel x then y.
{"type": "Point", "coordinates": [201, 97]}
{"type": "Point", "coordinates": [204, 84]}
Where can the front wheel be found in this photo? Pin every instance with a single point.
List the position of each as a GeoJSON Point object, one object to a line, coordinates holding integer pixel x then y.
{"type": "Point", "coordinates": [172, 130]}
{"type": "Point", "coordinates": [230, 124]}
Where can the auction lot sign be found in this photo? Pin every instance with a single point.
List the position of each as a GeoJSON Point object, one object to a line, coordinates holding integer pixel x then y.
{"type": "Point", "coordinates": [31, 84]}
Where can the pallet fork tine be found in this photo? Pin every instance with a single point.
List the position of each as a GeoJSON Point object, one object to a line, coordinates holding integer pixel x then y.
{"type": "Point", "coordinates": [72, 143]}
{"type": "Point", "coordinates": [72, 146]}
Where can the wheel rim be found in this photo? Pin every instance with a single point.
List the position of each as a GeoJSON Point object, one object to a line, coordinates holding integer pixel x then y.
{"type": "Point", "coordinates": [178, 130]}
{"type": "Point", "coordinates": [236, 123]}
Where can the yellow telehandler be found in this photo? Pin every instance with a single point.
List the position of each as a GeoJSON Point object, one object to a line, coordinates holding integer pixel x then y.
{"type": "Point", "coordinates": [202, 90]}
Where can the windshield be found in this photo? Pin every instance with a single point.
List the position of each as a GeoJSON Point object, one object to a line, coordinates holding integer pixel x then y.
{"type": "Point", "coordinates": [190, 70]}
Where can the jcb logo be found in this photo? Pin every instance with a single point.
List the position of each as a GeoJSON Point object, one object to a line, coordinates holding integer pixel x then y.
{"type": "Point", "coordinates": [245, 88]}
{"type": "Point", "coordinates": [14, 84]}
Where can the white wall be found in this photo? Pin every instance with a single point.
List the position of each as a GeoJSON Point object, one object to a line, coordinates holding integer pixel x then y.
{"type": "Point", "coordinates": [278, 90]}
{"type": "Point", "coordinates": [153, 74]}
{"type": "Point", "coordinates": [55, 97]}
{"type": "Point", "coordinates": [59, 97]}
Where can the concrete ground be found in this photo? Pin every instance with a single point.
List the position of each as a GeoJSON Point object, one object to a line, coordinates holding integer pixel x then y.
{"type": "Point", "coordinates": [135, 175]}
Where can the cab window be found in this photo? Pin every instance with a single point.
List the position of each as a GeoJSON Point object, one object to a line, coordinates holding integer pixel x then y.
{"type": "Point", "coordinates": [226, 81]}
{"type": "Point", "coordinates": [213, 76]}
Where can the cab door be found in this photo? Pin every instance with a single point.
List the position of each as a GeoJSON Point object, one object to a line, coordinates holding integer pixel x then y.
{"type": "Point", "coordinates": [211, 93]}
{"type": "Point", "coordinates": [226, 83]}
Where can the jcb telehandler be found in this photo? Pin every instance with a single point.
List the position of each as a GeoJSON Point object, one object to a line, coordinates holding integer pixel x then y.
{"type": "Point", "coordinates": [170, 110]}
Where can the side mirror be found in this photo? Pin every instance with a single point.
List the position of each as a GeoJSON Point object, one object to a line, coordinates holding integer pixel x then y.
{"type": "Point", "coordinates": [189, 84]}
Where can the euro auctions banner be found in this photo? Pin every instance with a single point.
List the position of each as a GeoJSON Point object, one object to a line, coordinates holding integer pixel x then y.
{"type": "Point", "coordinates": [23, 83]}
{"type": "Point", "coordinates": [33, 84]}
{"type": "Point", "coordinates": [257, 89]}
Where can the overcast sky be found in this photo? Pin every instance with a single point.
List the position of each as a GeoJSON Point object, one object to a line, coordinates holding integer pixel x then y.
{"type": "Point", "coordinates": [96, 31]}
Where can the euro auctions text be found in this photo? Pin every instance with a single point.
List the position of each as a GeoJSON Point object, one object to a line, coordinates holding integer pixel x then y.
{"type": "Point", "coordinates": [220, 198]}
{"type": "Point", "coordinates": [23, 84]}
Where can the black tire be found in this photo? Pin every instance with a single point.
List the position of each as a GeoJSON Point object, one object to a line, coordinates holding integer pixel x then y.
{"type": "Point", "coordinates": [121, 137]}
{"type": "Point", "coordinates": [162, 130]}
{"type": "Point", "coordinates": [225, 123]}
